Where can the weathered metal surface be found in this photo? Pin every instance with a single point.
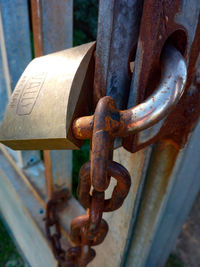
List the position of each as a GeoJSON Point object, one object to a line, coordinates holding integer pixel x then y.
{"type": "Point", "coordinates": [117, 35]}
{"type": "Point", "coordinates": [183, 190]}
{"type": "Point", "coordinates": [5, 86]}
{"type": "Point", "coordinates": [15, 55]}
{"type": "Point", "coordinates": [17, 38]}
{"type": "Point", "coordinates": [3, 91]}
{"type": "Point", "coordinates": [36, 18]}
{"type": "Point", "coordinates": [23, 213]}
{"type": "Point", "coordinates": [57, 26]}
{"type": "Point", "coordinates": [171, 24]}
{"type": "Point", "coordinates": [167, 201]}
{"type": "Point", "coordinates": [33, 119]}
{"type": "Point", "coordinates": [90, 229]}
{"type": "Point", "coordinates": [25, 205]}
{"type": "Point", "coordinates": [153, 200]}
{"type": "Point", "coordinates": [52, 30]}
{"type": "Point", "coordinates": [58, 164]}
{"type": "Point", "coordinates": [55, 203]}
{"type": "Point", "coordinates": [140, 117]}
{"type": "Point", "coordinates": [48, 174]}
{"type": "Point", "coordinates": [61, 162]}
{"type": "Point", "coordinates": [120, 220]}
{"type": "Point", "coordinates": [119, 193]}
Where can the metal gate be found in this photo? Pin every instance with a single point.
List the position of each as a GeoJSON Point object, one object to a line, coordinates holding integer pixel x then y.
{"type": "Point", "coordinates": [164, 165]}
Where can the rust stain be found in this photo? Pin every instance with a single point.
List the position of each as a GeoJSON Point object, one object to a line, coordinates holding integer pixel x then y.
{"type": "Point", "coordinates": [183, 118]}
{"type": "Point", "coordinates": [99, 90]}
{"type": "Point", "coordinates": [37, 27]}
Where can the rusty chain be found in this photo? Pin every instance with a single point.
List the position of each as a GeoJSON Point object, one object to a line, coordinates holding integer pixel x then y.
{"type": "Point", "coordinates": [94, 178]}
{"type": "Point", "coordinates": [91, 229]}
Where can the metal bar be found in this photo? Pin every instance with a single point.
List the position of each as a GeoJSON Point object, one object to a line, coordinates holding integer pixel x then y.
{"type": "Point", "coordinates": [118, 28]}
{"type": "Point", "coordinates": [187, 181]}
{"type": "Point", "coordinates": [5, 59]}
{"type": "Point", "coordinates": [4, 82]}
{"type": "Point", "coordinates": [36, 13]}
{"type": "Point", "coordinates": [117, 36]}
{"type": "Point", "coordinates": [52, 31]}
{"type": "Point", "coordinates": [38, 51]}
{"type": "Point", "coordinates": [48, 173]}
{"type": "Point", "coordinates": [168, 196]}
{"type": "Point", "coordinates": [16, 54]}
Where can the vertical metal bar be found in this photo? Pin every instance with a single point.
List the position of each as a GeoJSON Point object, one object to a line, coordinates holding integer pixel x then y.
{"type": "Point", "coordinates": [153, 200]}
{"type": "Point", "coordinates": [171, 184]}
{"type": "Point", "coordinates": [187, 181]}
{"type": "Point", "coordinates": [16, 54]}
{"type": "Point", "coordinates": [5, 59]}
{"type": "Point", "coordinates": [52, 31]}
{"type": "Point", "coordinates": [48, 173]}
{"type": "Point", "coordinates": [4, 80]}
{"type": "Point", "coordinates": [36, 13]}
{"type": "Point", "coordinates": [117, 36]}
{"type": "Point", "coordinates": [37, 27]}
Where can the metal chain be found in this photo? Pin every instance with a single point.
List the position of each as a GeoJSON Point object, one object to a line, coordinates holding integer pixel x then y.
{"type": "Point", "coordinates": [91, 229]}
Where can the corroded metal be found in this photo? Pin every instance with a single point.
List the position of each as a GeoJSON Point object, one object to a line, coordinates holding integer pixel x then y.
{"type": "Point", "coordinates": [171, 23]}
{"type": "Point", "coordinates": [91, 229]}
{"type": "Point", "coordinates": [52, 92]}
{"type": "Point", "coordinates": [52, 220]}
{"type": "Point", "coordinates": [117, 37]}
{"type": "Point", "coordinates": [120, 191]}
{"type": "Point", "coordinates": [144, 115]}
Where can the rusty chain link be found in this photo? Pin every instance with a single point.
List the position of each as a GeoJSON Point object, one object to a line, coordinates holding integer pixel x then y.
{"type": "Point", "coordinates": [91, 229]}
{"type": "Point", "coordinates": [107, 123]}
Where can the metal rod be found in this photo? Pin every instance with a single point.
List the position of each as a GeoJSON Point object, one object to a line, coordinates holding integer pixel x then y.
{"type": "Point", "coordinates": [165, 97]}
{"type": "Point", "coordinates": [38, 50]}
{"type": "Point", "coordinates": [37, 27]}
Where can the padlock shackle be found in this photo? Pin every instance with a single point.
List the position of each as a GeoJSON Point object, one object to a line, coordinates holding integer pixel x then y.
{"type": "Point", "coordinates": [164, 98]}
{"type": "Point", "coordinates": [154, 108]}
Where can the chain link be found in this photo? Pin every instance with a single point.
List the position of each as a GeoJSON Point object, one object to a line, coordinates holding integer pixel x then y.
{"type": "Point", "coordinates": [91, 229]}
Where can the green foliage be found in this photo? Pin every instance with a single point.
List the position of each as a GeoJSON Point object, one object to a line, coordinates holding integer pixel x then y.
{"type": "Point", "coordinates": [9, 256]}
{"type": "Point", "coordinates": [173, 261]}
{"type": "Point", "coordinates": [85, 28]}
{"type": "Point", "coordinates": [85, 21]}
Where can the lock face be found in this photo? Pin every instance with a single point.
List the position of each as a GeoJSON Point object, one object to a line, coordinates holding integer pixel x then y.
{"type": "Point", "coordinates": [53, 91]}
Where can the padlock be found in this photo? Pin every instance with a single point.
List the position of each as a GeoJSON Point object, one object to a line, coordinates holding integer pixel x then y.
{"type": "Point", "coordinates": [53, 91]}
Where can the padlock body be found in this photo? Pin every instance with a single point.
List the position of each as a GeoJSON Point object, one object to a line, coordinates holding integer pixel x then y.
{"type": "Point", "coordinates": [52, 92]}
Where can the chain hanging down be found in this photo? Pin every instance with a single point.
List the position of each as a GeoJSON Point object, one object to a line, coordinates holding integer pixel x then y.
{"type": "Point", "coordinates": [91, 229]}
{"type": "Point", "coordinates": [107, 123]}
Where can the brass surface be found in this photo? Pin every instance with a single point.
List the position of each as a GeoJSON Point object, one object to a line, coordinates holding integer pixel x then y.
{"type": "Point", "coordinates": [52, 91]}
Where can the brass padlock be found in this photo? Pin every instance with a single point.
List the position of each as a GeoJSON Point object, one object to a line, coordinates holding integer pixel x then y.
{"type": "Point", "coordinates": [53, 91]}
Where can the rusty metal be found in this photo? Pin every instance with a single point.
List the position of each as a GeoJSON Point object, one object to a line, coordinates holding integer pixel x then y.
{"type": "Point", "coordinates": [171, 23]}
{"type": "Point", "coordinates": [52, 220]}
{"type": "Point", "coordinates": [153, 109]}
{"type": "Point", "coordinates": [120, 191]}
{"type": "Point", "coordinates": [166, 70]}
{"type": "Point", "coordinates": [48, 174]}
{"type": "Point", "coordinates": [107, 123]}
{"type": "Point", "coordinates": [117, 36]}
{"type": "Point", "coordinates": [36, 13]}
{"type": "Point", "coordinates": [36, 22]}
{"type": "Point", "coordinates": [79, 224]}
{"type": "Point", "coordinates": [91, 229]}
